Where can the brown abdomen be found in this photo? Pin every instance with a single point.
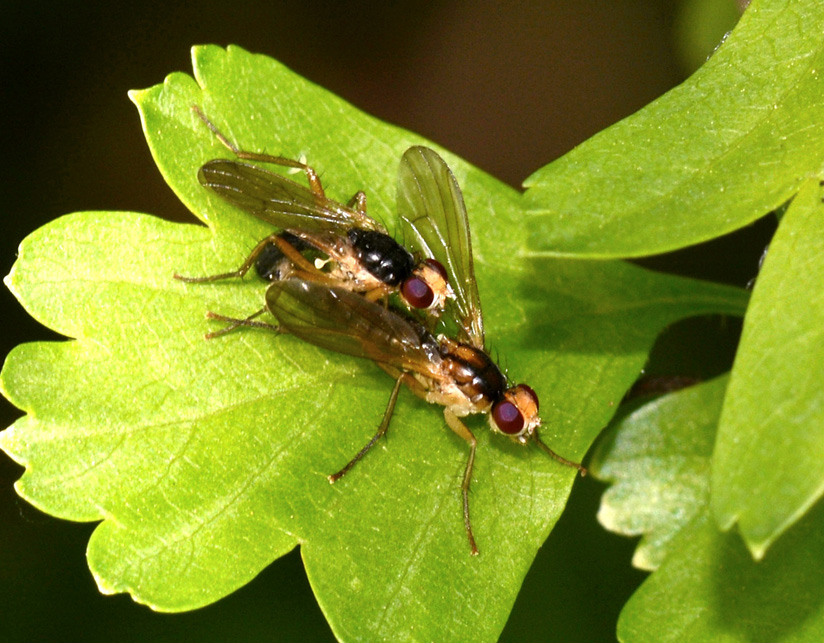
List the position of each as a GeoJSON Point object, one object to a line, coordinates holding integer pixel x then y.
{"type": "Point", "coordinates": [473, 371]}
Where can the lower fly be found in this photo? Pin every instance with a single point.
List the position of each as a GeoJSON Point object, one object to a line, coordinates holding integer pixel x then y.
{"type": "Point", "coordinates": [456, 375]}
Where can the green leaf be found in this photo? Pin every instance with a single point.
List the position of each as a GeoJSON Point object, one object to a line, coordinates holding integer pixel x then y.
{"type": "Point", "coordinates": [699, 27]}
{"type": "Point", "coordinates": [707, 587]}
{"type": "Point", "coordinates": [732, 143]}
{"type": "Point", "coordinates": [710, 589]}
{"type": "Point", "coordinates": [206, 460]}
{"type": "Point", "coordinates": [658, 459]}
{"type": "Point", "coordinates": [767, 470]}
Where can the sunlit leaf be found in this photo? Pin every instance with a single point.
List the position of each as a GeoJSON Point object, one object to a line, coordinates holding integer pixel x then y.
{"type": "Point", "coordinates": [732, 143]}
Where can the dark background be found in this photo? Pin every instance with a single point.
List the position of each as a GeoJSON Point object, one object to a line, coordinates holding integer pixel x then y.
{"type": "Point", "coordinates": [509, 86]}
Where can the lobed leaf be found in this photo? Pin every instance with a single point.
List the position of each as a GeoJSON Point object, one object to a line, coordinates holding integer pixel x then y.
{"type": "Point", "coordinates": [768, 458]}
{"type": "Point", "coordinates": [706, 587]}
{"type": "Point", "coordinates": [733, 142]}
{"type": "Point", "coordinates": [657, 458]}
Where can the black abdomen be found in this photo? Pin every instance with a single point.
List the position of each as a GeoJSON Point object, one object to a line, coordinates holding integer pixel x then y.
{"type": "Point", "coordinates": [271, 262]}
{"type": "Point", "coordinates": [382, 256]}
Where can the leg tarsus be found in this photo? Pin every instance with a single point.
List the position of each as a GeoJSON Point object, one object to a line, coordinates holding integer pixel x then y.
{"type": "Point", "coordinates": [387, 416]}
{"type": "Point", "coordinates": [463, 431]}
{"type": "Point", "coordinates": [358, 202]}
{"type": "Point", "coordinates": [236, 323]}
{"type": "Point", "coordinates": [312, 176]}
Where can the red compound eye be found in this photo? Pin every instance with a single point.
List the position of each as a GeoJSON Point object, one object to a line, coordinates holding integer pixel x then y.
{"type": "Point", "coordinates": [438, 267]}
{"type": "Point", "coordinates": [417, 293]}
{"type": "Point", "coordinates": [508, 417]}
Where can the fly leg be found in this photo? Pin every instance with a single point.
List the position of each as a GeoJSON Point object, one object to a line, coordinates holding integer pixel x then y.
{"type": "Point", "coordinates": [358, 202]}
{"type": "Point", "coordinates": [312, 176]}
{"type": "Point", "coordinates": [379, 292]}
{"type": "Point", "coordinates": [236, 323]}
{"type": "Point", "coordinates": [461, 429]}
{"type": "Point", "coordinates": [387, 416]}
{"type": "Point", "coordinates": [305, 269]}
{"type": "Point", "coordinates": [244, 267]}
{"type": "Point", "coordinates": [302, 267]}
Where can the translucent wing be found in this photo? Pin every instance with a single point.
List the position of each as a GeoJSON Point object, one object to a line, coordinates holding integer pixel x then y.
{"type": "Point", "coordinates": [280, 201]}
{"type": "Point", "coordinates": [346, 322]}
{"type": "Point", "coordinates": [433, 215]}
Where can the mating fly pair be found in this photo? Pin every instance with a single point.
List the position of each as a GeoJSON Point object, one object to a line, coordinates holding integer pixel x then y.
{"type": "Point", "coordinates": [328, 312]}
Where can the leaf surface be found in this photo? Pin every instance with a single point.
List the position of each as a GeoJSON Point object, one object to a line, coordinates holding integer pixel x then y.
{"type": "Point", "coordinates": [706, 587]}
{"type": "Point", "coordinates": [710, 589]}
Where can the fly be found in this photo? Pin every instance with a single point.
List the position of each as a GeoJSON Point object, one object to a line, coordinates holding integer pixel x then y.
{"type": "Point", "coordinates": [457, 373]}
{"type": "Point", "coordinates": [359, 254]}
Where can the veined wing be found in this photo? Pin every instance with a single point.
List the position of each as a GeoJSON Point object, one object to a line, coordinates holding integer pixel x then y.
{"type": "Point", "coordinates": [433, 214]}
{"type": "Point", "coordinates": [280, 201]}
{"type": "Point", "coordinates": [346, 322]}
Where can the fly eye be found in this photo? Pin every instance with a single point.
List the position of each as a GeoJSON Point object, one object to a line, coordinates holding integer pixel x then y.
{"type": "Point", "coordinates": [508, 417]}
{"type": "Point", "coordinates": [417, 293]}
{"type": "Point", "coordinates": [437, 266]}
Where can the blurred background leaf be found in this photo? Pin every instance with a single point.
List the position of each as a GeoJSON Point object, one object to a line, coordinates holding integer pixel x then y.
{"type": "Point", "coordinates": [710, 589]}
{"type": "Point", "coordinates": [707, 586]}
